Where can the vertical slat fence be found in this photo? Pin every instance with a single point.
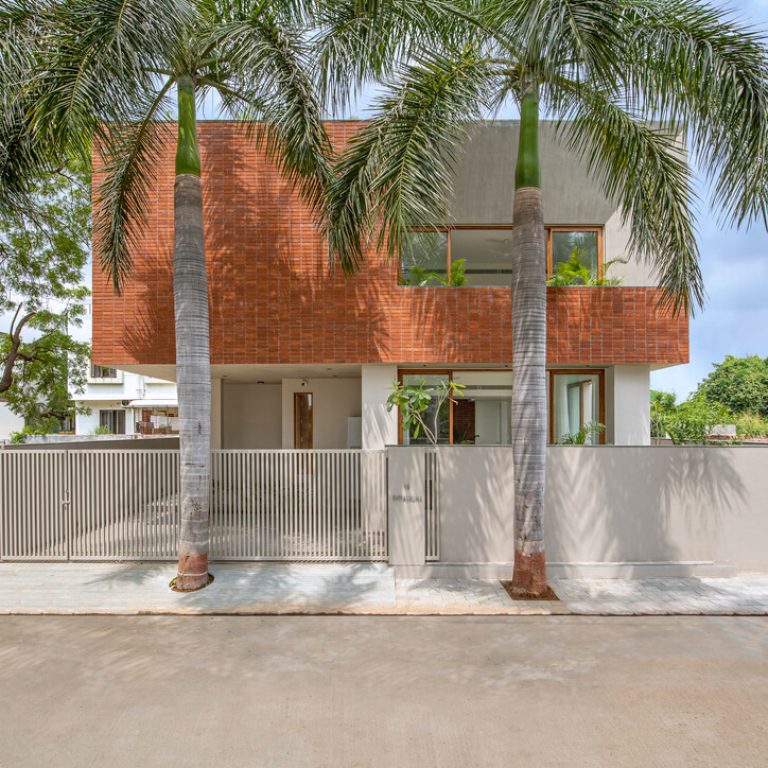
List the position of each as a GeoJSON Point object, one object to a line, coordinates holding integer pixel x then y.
{"type": "Point", "coordinates": [124, 505]}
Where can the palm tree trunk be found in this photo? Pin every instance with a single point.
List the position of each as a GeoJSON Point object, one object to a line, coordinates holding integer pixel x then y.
{"type": "Point", "coordinates": [193, 364]}
{"type": "Point", "coordinates": [529, 357]}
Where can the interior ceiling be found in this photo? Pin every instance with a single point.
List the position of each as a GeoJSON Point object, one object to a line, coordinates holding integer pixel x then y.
{"type": "Point", "coordinates": [244, 374]}
{"type": "Point", "coordinates": [273, 374]}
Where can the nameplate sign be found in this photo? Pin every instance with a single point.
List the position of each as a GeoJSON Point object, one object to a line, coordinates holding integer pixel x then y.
{"type": "Point", "coordinates": [406, 498]}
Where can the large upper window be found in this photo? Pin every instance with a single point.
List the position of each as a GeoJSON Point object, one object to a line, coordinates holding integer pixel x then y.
{"type": "Point", "coordinates": [459, 256]}
{"type": "Point", "coordinates": [482, 256]}
{"type": "Point", "coordinates": [575, 254]}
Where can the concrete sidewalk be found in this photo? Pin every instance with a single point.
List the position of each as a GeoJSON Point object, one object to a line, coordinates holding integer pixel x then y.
{"type": "Point", "coordinates": [249, 588]}
{"type": "Point", "coordinates": [344, 588]}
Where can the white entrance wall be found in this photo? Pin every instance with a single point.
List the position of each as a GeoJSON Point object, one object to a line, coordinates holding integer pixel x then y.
{"type": "Point", "coordinates": [379, 425]}
{"type": "Point", "coordinates": [251, 415]}
{"type": "Point", "coordinates": [627, 405]}
{"type": "Point", "coordinates": [334, 401]}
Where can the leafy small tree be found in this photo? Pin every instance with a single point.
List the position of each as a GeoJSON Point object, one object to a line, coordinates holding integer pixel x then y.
{"type": "Point", "coordinates": [589, 434]}
{"type": "Point", "coordinates": [688, 423]}
{"type": "Point", "coordinates": [662, 405]}
{"type": "Point", "coordinates": [575, 272]}
{"type": "Point", "coordinates": [415, 401]}
{"type": "Point", "coordinates": [738, 383]}
{"type": "Point", "coordinates": [43, 252]}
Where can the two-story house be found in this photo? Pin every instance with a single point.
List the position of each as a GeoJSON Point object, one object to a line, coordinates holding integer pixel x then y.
{"type": "Point", "coordinates": [304, 356]}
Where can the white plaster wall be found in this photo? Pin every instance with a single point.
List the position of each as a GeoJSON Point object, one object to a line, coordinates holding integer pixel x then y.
{"type": "Point", "coordinates": [609, 511]}
{"type": "Point", "coordinates": [251, 415]}
{"type": "Point", "coordinates": [636, 272]}
{"type": "Point", "coordinates": [130, 386]}
{"type": "Point", "coordinates": [333, 400]}
{"type": "Point", "coordinates": [379, 425]}
{"type": "Point", "coordinates": [631, 416]}
{"type": "Point", "coordinates": [9, 422]}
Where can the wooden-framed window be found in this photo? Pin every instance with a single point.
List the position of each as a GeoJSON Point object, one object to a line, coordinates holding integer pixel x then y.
{"type": "Point", "coordinates": [303, 420]}
{"type": "Point", "coordinates": [457, 256]}
{"type": "Point", "coordinates": [582, 243]}
{"type": "Point", "coordinates": [576, 399]}
{"type": "Point", "coordinates": [480, 415]}
{"type": "Point", "coordinates": [481, 255]}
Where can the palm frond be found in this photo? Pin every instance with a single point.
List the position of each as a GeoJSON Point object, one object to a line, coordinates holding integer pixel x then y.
{"type": "Point", "coordinates": [357, 42]}
{"type": "Point", "coordinates": [22, 156]}
{"type": "Point", "coordinates": [97, 61]}
{"type": "Point", "coordinates": [130, 154]}
{"type": "Point", "coordinates": [691, 65]}
{"type": "Point", "coordinates": [580, 38]}
{"type": "Point", "coordinates": [270, 70]}
{"type": "Point", "coordinates": [643, 167]}
{"type": "Point", "coordinates": [397, 171]}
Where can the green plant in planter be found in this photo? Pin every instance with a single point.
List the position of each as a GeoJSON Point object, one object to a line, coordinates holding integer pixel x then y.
{"type": "Point", "coordinates": [414, 402]}
{"type": "Point", "coordinates": [589, 433]}
{"type": "Point", "coordinates": [421, 277]}
{"type": "Point", "coordinates": [575, 272]}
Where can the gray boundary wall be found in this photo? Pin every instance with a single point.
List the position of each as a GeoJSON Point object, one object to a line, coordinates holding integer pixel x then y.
{"type": "Point", "coordinates": [610, 511]}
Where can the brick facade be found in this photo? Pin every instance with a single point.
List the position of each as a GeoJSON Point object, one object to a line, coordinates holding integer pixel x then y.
{"type": "Point", "coordinates": [273, 298]}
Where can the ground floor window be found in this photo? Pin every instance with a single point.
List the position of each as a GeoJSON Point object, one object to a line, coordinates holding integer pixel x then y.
{"type": "Point", "coordinates": [158, 421]}
{"type": "Point", "coordinates": [113, 421]}
{"type": "Point", "coordinates": [577, 406]}
{"type": "Point", "coordinates": [480, 415]}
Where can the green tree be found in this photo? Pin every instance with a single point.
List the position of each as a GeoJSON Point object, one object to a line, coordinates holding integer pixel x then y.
{"type": "Point", "coordinates": [626, 79]}
{"type": "Point", "coordinates": [662, 407]}
{"type": "Point", "coordinates": [740, 384]}
{"type": "Point", "coordinates": [110, 74]}
{"type": "Point", "coordinates": [44, 248]}
{"type": "Point", "coordinates": [691, 421]}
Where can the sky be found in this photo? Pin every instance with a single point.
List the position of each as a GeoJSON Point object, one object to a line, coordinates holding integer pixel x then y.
{"type": "Point", "coordinates": [734, 320]}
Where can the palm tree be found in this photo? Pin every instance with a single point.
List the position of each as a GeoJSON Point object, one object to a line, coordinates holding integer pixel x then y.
{"type": "Point", "coordinates": [108, 72]}
{"type": "Point", "coordinates": [630, 83]}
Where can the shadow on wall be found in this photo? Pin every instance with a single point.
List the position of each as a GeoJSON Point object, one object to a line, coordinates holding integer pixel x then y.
{"type": "Point", "coordinates": [476, 505]}
{"type": "Point", "coordinates": [604, 505]}
{"type": "Point", "coordinates": [274, 295]}
{"type": "Point", "coordinates": [640, 505]}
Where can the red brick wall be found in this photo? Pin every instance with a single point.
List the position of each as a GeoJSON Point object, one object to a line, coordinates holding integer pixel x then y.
{"type": "Point", "coordinates": [273, 298]}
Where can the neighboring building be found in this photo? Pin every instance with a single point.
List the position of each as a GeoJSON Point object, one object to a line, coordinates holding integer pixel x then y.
{"type": "Point", "coordinates": [9, 422]}
{"type": "Point", "coordinates": [126, 403]}
{"type": "Point", "coordinates": [303, 356]}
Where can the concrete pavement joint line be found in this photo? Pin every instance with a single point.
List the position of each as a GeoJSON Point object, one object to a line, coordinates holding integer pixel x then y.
{"type": "Point", "coordinates": [330, 589]}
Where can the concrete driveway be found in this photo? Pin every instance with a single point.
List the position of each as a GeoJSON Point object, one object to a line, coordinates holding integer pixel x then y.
{"type": "Point", "coordinates": [381, 691]}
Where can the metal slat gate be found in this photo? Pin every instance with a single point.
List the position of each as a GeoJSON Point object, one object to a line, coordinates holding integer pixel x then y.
{"type": "Point", "coordinates": [124, 505]}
